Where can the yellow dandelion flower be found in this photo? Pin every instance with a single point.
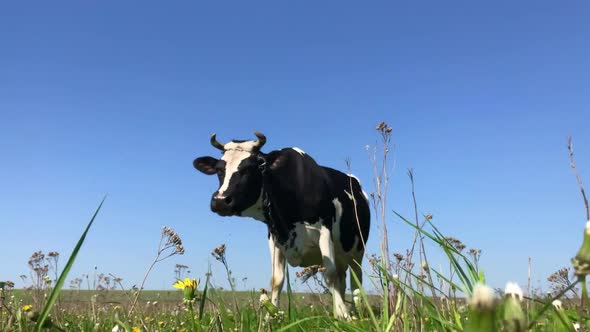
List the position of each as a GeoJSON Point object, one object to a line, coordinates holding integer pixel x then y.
{"type": "Point", "coordinates": [188, 286]}
{"type": "Point", "coordinates": [27, 307]}
{"type": "Point", "coordinates": [190, 283]}
{"type": "Point", "coordinates": [135, 329]}
{"type": "Point", "coordinates": [160, 324]}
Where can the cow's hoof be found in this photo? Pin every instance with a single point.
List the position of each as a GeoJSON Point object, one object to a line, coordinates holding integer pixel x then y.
{"type": "Point", "coordinates": [343, 315]}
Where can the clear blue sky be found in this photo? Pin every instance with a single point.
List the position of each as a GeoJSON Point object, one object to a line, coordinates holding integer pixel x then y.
{"type": "Point", "coordinates": [120, 97]}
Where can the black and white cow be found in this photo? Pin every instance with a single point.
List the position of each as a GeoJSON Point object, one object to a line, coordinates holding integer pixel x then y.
{"type": "Point", "coordinates": [314, 214]}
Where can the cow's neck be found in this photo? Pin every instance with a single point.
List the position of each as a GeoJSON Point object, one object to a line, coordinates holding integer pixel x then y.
{"type": "Point", "coordinates": [255, 211]}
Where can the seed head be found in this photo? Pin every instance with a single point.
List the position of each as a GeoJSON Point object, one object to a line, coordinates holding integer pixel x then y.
{"type": "Point", "coordinates": [512, 289]}
{"type": "Point", "coordinates": [172, 238]}
{"type": "Point", "coordinates": [557, 304]}
{"type": "Point", "coordinates": [482, 298]}
{"type": "Point", "coordinates": [457, 244]}
{"type": "Point", "coordinates": [560, 276]}
{"type": "Point", "coordinates": [219, 253]}
{"type": "Point", "coordinates": [309, 272]}
{"type": "Point", "coordinates": [475, 252]}
{"type": "Point", "coordinates": [514, 316]}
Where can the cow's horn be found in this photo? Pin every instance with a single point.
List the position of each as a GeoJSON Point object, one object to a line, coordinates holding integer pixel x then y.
{"type": "Point", "coordinates": [215, 143]}
{"type": "Point", "coordinates": [261, 139]}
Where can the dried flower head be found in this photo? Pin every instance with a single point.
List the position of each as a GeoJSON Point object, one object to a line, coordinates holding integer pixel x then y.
{"type": "Point", "coordinates": [399, 257]}
{"type": "Point", "coordinates": [383, 128]}
{"type": "Point", "coordinates": [560, 276]}
{"type": "Point", "coordinates": [309, 272]}
{"type": "Point", "coordinates": [173, 239]}
{"type": "Point", "coordinates": [457, 244]}
{"type": "Point", "coordinates": [428, 216]}
{"type": "Point", "coordinates": [475, 252]}
{"type": "Point", "coordinates": [219, 253]}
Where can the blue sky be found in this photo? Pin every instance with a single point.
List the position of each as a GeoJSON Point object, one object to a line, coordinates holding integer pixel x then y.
{"type": "Point", "coordinates": [119, 98]}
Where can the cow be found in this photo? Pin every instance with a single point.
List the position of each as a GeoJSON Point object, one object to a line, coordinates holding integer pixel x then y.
{"type": "Point", "coordinates": [315, 215]}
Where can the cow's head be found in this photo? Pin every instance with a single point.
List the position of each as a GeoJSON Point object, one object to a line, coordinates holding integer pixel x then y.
{"type": "Point", "coordinates": [238, 170]}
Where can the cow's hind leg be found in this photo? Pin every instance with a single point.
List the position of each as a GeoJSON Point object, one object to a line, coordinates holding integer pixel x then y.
{"type": "Point", "coordinates": [335, 275]}
{"type": "Point", "coordinates": [278, 270]}
{"type": "Point", "coordinates": [356, 268]}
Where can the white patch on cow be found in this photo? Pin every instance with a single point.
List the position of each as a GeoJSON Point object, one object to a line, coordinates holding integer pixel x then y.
{"type": "Point", "coordinates": [255, 211]}
{"type": "Point", "coordinates": [233, 156]}
{"type": "Point", "coordinates": [301, 152]}
{"type": "Point", "coordinates": [359, 182]}
{"type": "Point", "coordinates": [314, 243]}
{"type": "Point", "coordinates": [336, 231]}
{"type": "Point", "coordinates": [302, 247]}
{"type": "Point", "coordinates": [278, 270]}
{"type": "Point", "coordinates": [333, 274]}
{"type": "Point", "coordinates": [348, 194]}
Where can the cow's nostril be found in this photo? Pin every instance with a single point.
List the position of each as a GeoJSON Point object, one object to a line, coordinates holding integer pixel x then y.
{"type": "Point", "coordinates": [227, 200]}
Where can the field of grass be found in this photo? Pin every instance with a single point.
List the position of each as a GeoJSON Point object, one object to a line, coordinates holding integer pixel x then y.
{"type": "Point", "coordinates": [411, 296]}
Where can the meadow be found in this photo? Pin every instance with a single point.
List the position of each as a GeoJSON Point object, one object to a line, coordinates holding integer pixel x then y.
{"type": "Point", "coordinates": [409, 295]}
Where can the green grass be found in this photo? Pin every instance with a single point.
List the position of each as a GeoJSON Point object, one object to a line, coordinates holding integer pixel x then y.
{"type": "Point", "coordinates": [411, 309]}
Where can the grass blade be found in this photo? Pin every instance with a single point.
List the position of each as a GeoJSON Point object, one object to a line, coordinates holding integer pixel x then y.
{"type": "Point", "coordinates": [204, 296]}
{"type": "Point", "coordinates": [62, 278]}
{"type": "Point", "coordinates": [365, 301]}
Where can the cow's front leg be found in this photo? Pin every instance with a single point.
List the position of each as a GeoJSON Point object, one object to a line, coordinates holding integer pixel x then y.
{"type": "Point", "coordinates": [278, 270]}
{"type": "Point", "coordinates": [335, 275]}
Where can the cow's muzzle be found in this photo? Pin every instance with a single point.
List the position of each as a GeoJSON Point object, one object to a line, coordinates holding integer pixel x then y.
{"type": "Point", "coordinates": [222, 205]}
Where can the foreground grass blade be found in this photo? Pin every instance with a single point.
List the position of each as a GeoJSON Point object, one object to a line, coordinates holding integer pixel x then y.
{"type": "Point", "coordinates": [204, 296]}
{"type": "Point", "coordinates": [290, 307]}
{"type": "Point", "coordinates": [366, 301]}
{"type": "Point", "coordinates": [299, 322]}
{"type": "Point", "coordinates": [62, 278]}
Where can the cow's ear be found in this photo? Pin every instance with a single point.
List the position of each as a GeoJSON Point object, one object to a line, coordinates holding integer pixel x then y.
{"type": "Point", "coordinates": [206, 165]}
{"type": "Point", "coordinates": [279, 162]}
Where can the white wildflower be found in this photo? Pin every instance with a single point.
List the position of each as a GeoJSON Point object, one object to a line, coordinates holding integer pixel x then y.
{"type": "Point", "coordinates": [424, 265]}
{"type": "Point", "coordinates": [264, 297]}
{"type": "Point", "coordinates": [356, 297]}
{"type": "Point", "coordinates": [576, 326]}
{"type": "Point", "coordinates": [512, 289]}
{"type": "Point", "coordinates": [557, 304]}
{"type": "Point", "coordinates": [482, 297]}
